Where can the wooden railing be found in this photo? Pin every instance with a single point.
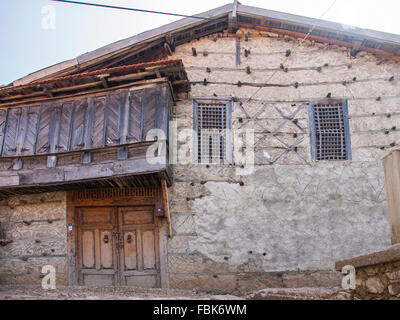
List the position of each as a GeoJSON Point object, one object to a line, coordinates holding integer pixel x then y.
{"type": "Point", "coordinates": [391, 163]}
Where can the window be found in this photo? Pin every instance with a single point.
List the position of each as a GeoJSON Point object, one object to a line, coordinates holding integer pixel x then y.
{"type": "Point", "coordinates": [212, 123]}
{"type": "Point", "coordinates": [329, 130]}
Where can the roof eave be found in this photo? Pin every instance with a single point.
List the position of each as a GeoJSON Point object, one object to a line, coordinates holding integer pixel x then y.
{"type": "Point", "coordinates": [160, 32]}
{"type": "Point", "coordinates": [114, 47]}
{"type": "Point", "coordinates": [320, 24]}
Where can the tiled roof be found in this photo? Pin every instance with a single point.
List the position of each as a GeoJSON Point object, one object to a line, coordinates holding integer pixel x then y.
{"type": "Point", "coordinates": [131, 67]}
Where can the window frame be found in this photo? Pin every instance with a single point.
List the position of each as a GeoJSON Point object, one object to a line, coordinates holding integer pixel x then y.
{"type": "Point", "coordinates": [228, 125]}
{"type": "Point", "coordinates": [313, 129]}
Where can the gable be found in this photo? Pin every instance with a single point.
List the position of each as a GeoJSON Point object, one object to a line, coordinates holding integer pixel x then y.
{"type": "Point", "coordinates": [160, 42]}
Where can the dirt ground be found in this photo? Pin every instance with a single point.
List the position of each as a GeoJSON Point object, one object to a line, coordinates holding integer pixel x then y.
{"type": "Point", "coordinates": [103, 293]}
{"type": "Point", "coordinates": [131, 293]}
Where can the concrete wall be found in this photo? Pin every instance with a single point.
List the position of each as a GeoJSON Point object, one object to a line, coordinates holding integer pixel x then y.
{"type": "Point", "coordinates": [287, 223]}
{"type": "Point", "coordinates": [36, 225]}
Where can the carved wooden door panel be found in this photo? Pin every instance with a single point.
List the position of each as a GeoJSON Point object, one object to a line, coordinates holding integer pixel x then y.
{"type": "Point", "coordinates": [138, 247]}
{"type": "Point", "coordinates": [118, 246]}
{"type": "Point", "coordinates": [97, 247]}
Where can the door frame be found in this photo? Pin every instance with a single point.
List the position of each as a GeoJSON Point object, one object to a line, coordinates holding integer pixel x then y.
{"type": "Point", "coordinates": [114, 198]}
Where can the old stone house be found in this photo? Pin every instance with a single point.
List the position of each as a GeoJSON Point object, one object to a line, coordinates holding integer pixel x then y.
{"type": "Point", "coordinates": [84, 186]}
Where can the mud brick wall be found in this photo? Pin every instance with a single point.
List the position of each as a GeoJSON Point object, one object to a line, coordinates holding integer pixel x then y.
{"type": "Point", "coordinates": [285, 224]}
{"type": "Point", "coordinates": [37, 227]}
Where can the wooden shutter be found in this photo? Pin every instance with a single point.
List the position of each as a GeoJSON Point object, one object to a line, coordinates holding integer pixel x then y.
{"type": "Point", "coordinates": [3, 120]}
{"type": "Point", "coordinates": [98, 125]}
{"type": "Point", "coordinates": [43, 145]}
{"type": "Point", "coordinates": [329, 130]}
{"type": "Point", "coordinates": [12, 129]}
{"type": "Point", "coordinates": [116, 100]}
{"type": "Point", "coordinates": [78, 132]}
{"type": "Point", "coordinates": [135, 118]}
{"type": "Point", "coordinates": [31, 132]}
{"type": "Point", "coordinates": [65, 127]}
{"type": "Point", "coordinates": [54, 131]}
{"type": "Point", "coordinates": [212, 123]}
{"type": "Point", "coordinates": [149, 111]}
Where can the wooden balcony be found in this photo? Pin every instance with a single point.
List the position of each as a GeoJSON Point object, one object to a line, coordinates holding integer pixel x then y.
{"type": "Point", "coordinates": [88, 140]}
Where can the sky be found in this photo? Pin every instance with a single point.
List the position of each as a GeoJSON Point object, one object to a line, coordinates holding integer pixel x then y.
{"type": "Point", "coordinates": [39, 33]}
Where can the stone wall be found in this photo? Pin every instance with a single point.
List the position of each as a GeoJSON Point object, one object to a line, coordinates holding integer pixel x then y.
{"type": "Point", "coordinates": [377, 275]}
{"type": "Point", "coordinates": [37, 227]}
{"type": "Point", "coordinates": [284, 224]}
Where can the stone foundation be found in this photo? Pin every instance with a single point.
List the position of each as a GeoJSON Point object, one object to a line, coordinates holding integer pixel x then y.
{"type": "Point", "coordinates": [377, 275]}
{"type": "Point", "coordinates": [36, 226]}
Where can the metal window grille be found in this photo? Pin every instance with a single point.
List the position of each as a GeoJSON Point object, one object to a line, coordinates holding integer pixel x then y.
{"type": "Point", "coordinates": [330, 131]}
{"type": "Point", "coordinates": [212, 121]}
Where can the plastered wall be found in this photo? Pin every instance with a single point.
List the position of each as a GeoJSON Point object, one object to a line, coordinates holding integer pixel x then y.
{"type": "Point", "coordinates": [287, 222]}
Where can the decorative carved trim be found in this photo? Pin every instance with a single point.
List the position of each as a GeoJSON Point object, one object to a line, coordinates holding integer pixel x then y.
{"type": "Point", "coordinates": [114, 194]}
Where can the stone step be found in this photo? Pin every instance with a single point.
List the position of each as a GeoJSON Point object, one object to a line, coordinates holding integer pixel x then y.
{"type": "Point", "coordinates": [306, 293]}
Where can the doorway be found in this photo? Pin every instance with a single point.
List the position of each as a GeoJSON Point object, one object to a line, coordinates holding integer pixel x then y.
{"type": "Point", "coordinates": [118, 246]}
{"type": "Point", "coordinates": [116, 241]}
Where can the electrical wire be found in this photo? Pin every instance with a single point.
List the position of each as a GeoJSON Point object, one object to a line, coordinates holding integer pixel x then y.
{"type": "Point", "coordinates": [296, 45]}
{"type": "Point", "coordinates": [138, 10]}
{"type": "Point", "coordinates": [293, 50]}
{"type": "Point", "coordinates": [172, 14]}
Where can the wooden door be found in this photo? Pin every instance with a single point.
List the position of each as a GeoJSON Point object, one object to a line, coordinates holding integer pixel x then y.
{"type": "Point", "coordinates": [118, 246]}
{"type": "Point", "coordinates": [139, 252]}
{"type": "Point", "coordinates": [97, 254]}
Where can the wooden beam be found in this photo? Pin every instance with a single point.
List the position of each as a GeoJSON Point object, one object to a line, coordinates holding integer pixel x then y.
{"type": "Point", "coordinates": [51, 161]}
{"type": "Point", "coordinates": [356, 47]}
{"type": "Point", "coordinates": [169, 39]}
{"type": "Point", "coordinates": [164, 192]}
{"type": "Point", "coordinates": [82, 93]}
{"type": "Point", "coordinates": [18, 96]}
{"type": "Point", "coordinates": [115, 57]}
{"type": "Point", "coordinates": [22, 131]}
{"type": "Point", "coordinates": [233, 18]}
{"type": "Point", "coordinates": [80, 173]}
{"type": "Point", "coordinates": [391, 164]}
{"type": "Point", "coordinates": [77, 87]}
{"type": "Point", "coordinates": [8, 180]}
{"type": "Point", "coordinates": [124, 119]}
{"type": "Point", "coordinates": [71, 240]}
{"type": "Point", "coordinates": [132, 76]}
{"type": "Point", "coordinates": [47, 92]}
{"type": "Point", "coordinates": [168, 49]}
{"type": "Point", "coordinates": [89, 123]}
{"type": "Point", "coordinates": [103, 79]}
{"type": "Point", "coordinates": [321, 39]}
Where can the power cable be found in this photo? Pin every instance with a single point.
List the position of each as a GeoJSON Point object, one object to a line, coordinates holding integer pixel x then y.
{"type": "Point", "coordinates": [203, 18]}
{"type": "Point", "coordinates": [293, 49]}
{"type": "Point", "coordinates": [138, 10]}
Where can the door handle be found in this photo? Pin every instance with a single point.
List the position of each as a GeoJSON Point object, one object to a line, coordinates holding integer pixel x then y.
{"type": "Point", "coordinates": [105, 238]}
{"type": "Point", "coordinates": [129, 238]}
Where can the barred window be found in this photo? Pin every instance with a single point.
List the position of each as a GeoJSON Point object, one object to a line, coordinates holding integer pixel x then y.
{"type": "Point", "coordinates": [212, 121]}
{"type": "Point", "coordinates": [329, 130]}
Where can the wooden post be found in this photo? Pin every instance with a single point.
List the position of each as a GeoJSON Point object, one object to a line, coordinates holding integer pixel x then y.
{"type": "Point", "coordinates": [391, 163]}
{"type": "Point", "coordinates": [233, 20]}
{"type": "Point", "coordinates": [166, 204]}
